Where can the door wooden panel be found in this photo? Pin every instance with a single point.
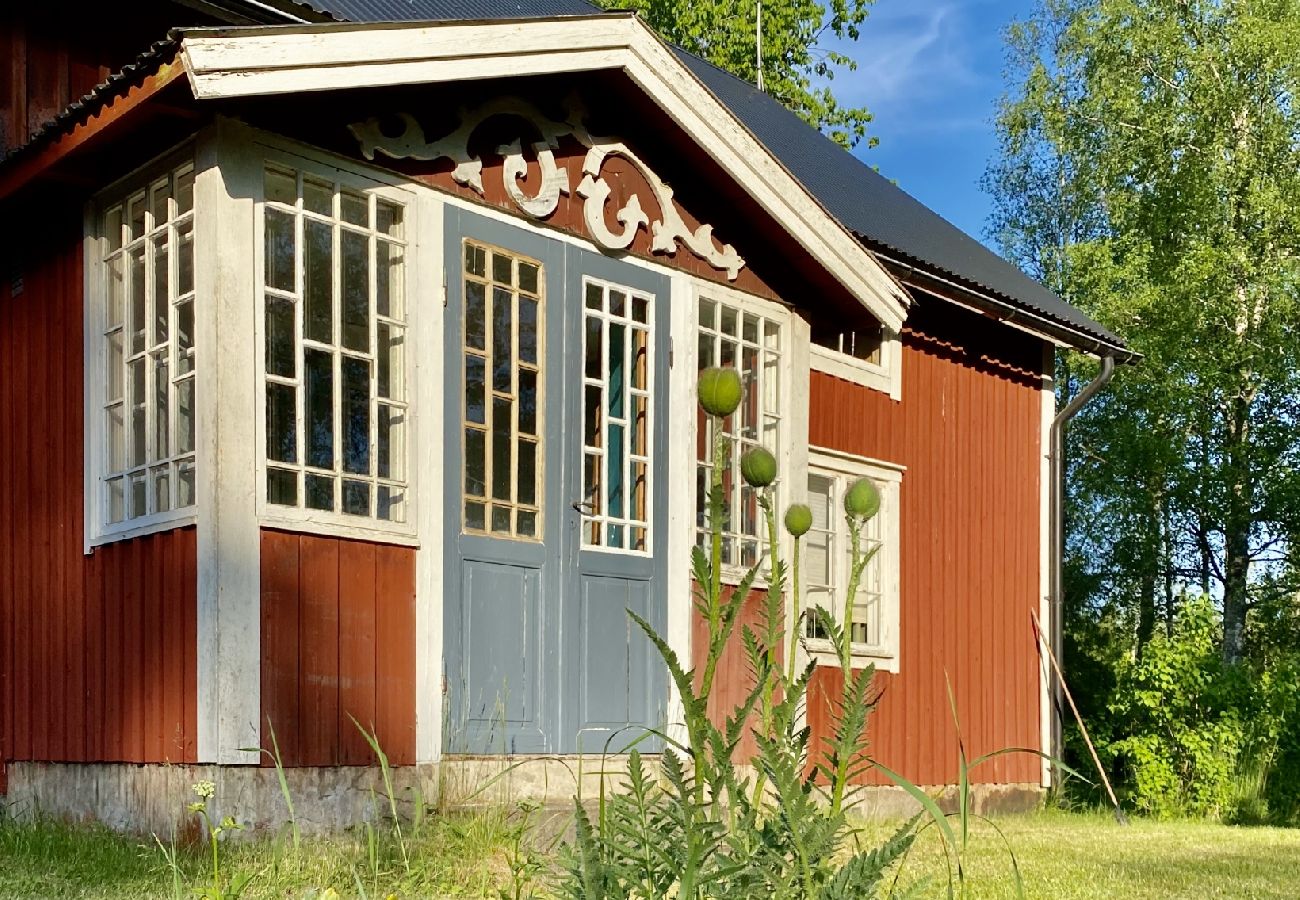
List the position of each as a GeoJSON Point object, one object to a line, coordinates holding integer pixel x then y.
{"type": "Point", "coordinates": [541, 655]}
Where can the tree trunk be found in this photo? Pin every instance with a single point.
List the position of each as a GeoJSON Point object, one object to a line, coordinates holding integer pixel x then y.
{"type": "Point", "coordinates": [1236, 533]}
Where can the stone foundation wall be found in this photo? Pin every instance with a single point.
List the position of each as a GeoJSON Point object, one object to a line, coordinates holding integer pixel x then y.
{"type": "Point", "coordinates": [149, 799]}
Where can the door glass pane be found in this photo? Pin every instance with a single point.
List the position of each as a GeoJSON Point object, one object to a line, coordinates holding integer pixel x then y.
{"type": "Point", "coordinates": [501, 337]}
{"type": "Point", "coordinates": [616, 418]}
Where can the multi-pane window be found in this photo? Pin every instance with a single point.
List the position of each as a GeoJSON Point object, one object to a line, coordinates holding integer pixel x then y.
{"type": "Point", "coordinates": [334, 335]}
{"type": "Point", "coordinates": [827, 555]}
{"type": "Point", "coordinates": [502, 350]}
{"type": "Point", "coordinates": [752, 342]}
{"type": "Point", "coordinates": [617, 430]}
{"type": "Point", "coordinates": [864, 342]}
{"type": "Point", "coordinates": [147, 326]}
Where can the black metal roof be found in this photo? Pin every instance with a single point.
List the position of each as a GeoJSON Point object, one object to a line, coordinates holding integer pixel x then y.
{"type": "Point", "coordinates": [446, 10]}
{"type": "Point", "coordinates": [878, 211]}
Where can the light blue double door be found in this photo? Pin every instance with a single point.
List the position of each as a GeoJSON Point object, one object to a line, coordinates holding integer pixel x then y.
{"type": "Point", "coordinates": [556, 368]}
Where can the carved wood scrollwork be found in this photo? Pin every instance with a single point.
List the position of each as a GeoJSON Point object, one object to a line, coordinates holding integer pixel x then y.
{"type": "Point", "coordinates": [666, 232]}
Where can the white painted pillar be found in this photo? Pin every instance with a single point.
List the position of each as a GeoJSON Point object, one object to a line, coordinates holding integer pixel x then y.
{"type": "Point", "coordinates": [1045, 550]}
{"type": "Point", "coordinates": [229, 638]}
{"type": "Point", "coordinates": [427, 288]}
{"type": "Point", "coordinates": [680, 469]}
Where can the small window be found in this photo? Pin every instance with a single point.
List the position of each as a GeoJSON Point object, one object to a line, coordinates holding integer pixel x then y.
{"type": "Point", "coordinates": [334, 349]}
{"type": "Point", "coordinates": [752, 340]}
{"type": "Point", "coordinates": [144, 315]}
{"type": "Point", "coordinates": [503, 348]}
{"type": "Point", "coordinates": [865, 344]}
{"type": "Point", "coordinates": [867, 353]}
{"type": "Point", "coordinates": [617, 384]}
{"type": "Point", "coordinates": [827, 556]}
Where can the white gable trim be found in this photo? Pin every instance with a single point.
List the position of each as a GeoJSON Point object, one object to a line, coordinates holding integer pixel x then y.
{"type": "Point", "coordinates": [242, 62]}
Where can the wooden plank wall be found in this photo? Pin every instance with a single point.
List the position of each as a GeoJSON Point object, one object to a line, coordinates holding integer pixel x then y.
{"type": "Point", "coordinates": [968, 431]}
{"type": "Point", "coordinates": [46, 63]}
{"type": "Point", "coordinates": [338, 643]}
{"type": "Point", "coordinates": [97, 658]}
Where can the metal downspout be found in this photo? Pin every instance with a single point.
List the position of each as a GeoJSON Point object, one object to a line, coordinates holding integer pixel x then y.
{"type": "Point", "coordinates": [1056, 597]}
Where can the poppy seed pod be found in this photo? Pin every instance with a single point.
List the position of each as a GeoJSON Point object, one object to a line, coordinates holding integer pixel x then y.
{"type": "Point", "coordinates": [798, 519]}
{"type": "Point", "coordinates": [719, 390]}
{"type": "Point", "coordinates": [862, 500]}
{"type": "Point", "coordinates": [758, 467]}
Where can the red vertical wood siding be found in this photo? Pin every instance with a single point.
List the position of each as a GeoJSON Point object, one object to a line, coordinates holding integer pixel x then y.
{"type": "Point", "coordinates": [45, 64]}
{"type": "Point", "coordinates": [338, 644]}
{"type": "Point", "coordinates": [97, 652]}
{"type": "Point", "coordinates": [968, 430]}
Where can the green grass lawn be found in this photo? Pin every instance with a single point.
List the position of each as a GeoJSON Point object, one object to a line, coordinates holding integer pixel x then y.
{"type": "Point", "coordinates": [1067, 855]}
{"type": "Point", "coordinates": [1060, 856]}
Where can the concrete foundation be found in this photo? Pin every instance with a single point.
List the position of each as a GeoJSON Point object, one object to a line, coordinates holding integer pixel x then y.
{"type": "Point", "coordinates": [153, 798]}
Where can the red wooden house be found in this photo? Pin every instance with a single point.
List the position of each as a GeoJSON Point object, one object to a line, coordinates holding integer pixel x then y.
{"type": "Point", "coordinates": [347, 361]}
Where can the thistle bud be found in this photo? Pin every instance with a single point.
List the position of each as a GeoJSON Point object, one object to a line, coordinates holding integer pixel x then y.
{"type": "Point", "coordinates": [798, 519]}
{"type": "Point", "coordinates": [719, 390]}
{"type": "Point", "coordinates": [862, 500]}
{"type": "Point", "coordinates": [758, 467]}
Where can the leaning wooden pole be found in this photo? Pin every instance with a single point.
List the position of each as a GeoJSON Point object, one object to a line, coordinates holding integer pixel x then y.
{"type": "Point", "coordinates": [1060, 679]}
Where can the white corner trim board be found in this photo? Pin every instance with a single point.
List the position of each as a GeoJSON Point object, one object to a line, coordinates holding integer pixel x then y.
{"type": "Point", "coordinates": [227, 63]}
{"type": "Point", "coordinates": [666, 233]}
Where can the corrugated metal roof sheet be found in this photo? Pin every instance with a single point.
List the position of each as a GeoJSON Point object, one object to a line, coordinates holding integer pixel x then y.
{"type": "Point", "coordinates": [877, 210]}
{"type": "Point", "coordinates": [80, 111]}
{"type": "Point", "coordinates": [445, 10]}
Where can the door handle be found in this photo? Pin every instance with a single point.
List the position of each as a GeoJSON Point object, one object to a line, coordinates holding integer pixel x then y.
{"type": "Point", "coordinates": [581, 506]}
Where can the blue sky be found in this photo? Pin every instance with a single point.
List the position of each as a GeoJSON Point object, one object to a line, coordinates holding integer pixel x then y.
{"type": "Point", "coordinates": [931, 72]}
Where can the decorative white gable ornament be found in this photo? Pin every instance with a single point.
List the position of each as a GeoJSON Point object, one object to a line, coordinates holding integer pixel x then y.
{"type": "Point", "coordinates": [665, 233]}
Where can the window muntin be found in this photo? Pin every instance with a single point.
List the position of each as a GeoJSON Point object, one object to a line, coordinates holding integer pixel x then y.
{"type": "Point", "coordinates": [147, 322]}
{"type": "Point", "coordinates": [502, 351]}
{"type": "Point", "coordinates": [334, 344]}
{"type": "Point", "coordinates": [618, 383]}
{"type": "Point", "coordinates": [752, 341]}
{"type": "Point", "coordinates": [864, 343]}
{"type": "Point", "coordinates": [828, 560]}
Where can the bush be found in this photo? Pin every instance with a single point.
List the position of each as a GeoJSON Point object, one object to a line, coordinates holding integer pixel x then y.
{"type": "Point", "coordinates": [1182, 709]}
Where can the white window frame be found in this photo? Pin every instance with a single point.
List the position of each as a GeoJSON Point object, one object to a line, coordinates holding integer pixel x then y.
{"type": "Point", "coordinates": [847, 467]}
{"type": "Point", "coordinates": [885, 376]}
{"type": "Point", "coordinates": [788, 466]}
{"type": "Point", "coordinates": [302, 519]}
{"type": "Point", "coordinates": [96, 454]}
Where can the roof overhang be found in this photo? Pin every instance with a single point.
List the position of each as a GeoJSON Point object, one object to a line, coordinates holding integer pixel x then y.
{"type": "Point", "coordinates": [229, 63]}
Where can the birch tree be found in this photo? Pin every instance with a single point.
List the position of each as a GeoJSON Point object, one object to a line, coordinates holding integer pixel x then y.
{"type": "Point", "coordinates": [1177, 123]}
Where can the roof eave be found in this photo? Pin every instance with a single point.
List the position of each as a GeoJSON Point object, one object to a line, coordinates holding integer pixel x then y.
{"type": "Point", "coordinates": [1009, 313]}
{"type": "Point", "coordinates": [243, 62]}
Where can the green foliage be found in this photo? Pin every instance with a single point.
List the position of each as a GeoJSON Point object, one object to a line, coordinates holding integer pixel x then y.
{"type": "Point", "coordinates": [725, 33]}
{"type": "Point", "coordinates": [1185, 733]}
{"type": "Point", "coordinates": [704, 826]}
{"type": "Point", "coordinates": [1149, 173]}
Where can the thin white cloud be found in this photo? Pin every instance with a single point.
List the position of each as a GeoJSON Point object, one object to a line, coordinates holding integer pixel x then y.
{"type": "Point", "coordinates": [918, 51]}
